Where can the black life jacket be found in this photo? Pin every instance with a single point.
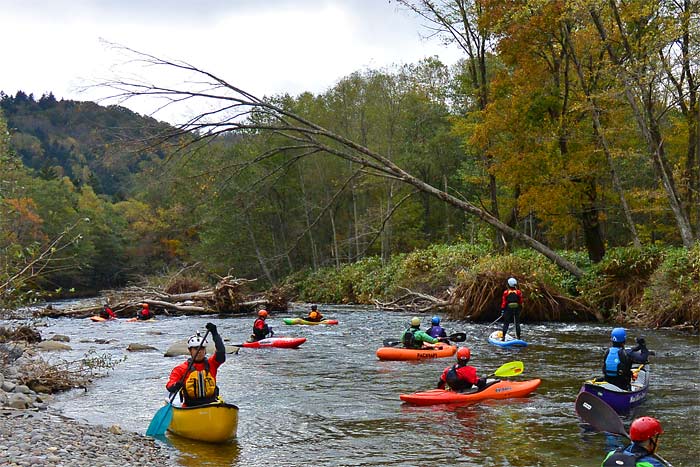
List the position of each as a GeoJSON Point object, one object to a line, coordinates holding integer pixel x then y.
{"type": "Point", "coordinates": [512, 299]}
{"type": "Point", "coordinates": [622, 458]}
{"type": "Point", "coordinates": [409, 339]}
{"type": "Point", "coordinates": [452, 379]}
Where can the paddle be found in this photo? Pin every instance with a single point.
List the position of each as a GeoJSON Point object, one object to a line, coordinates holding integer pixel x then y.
{"type": "Point", "coordinates": [597, 413]}
{"type": "Point", "coordinates": [508, 369]}
{"type": "Point", "coordinates": [161, 420]}
{"type": "Point", "coordinates": [456, 337]}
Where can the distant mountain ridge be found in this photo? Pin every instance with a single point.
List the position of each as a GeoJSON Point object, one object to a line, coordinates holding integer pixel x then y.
{"type": "Point", "coordinates": [101, 146]}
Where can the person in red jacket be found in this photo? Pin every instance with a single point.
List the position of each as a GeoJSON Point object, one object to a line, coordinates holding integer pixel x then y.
{"type": "Point", "coordinates": [511, 304]}
{"type": "Point", "coordinates": [461, 376]}
{"type": "Point", "coordinates": [107, 312]}
{"type": "Point", "coordinates": [145, 313]}
{"type": "Point", "coordinates": [195, 378]}
{"type": "Point", "coordinates": [260, 328]}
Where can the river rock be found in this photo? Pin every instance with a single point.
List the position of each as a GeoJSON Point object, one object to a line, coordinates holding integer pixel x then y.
{"type": "Point", "coordinates": [60, 338]}
{"type": "Point", "coordinates": [139, 348]}
{"type": "Point", "coordinates": [8, 386]}
{"type": "Point", "coordinates": [21, 388]}
{"type": "Point", "coordinates": [10, 352]}
{"type": "Point", "coordinates": [180, 348]}
{"type": "Point", "coordinates": [50, 346]}
{"type": "Point", "coordinates": [19, 400]}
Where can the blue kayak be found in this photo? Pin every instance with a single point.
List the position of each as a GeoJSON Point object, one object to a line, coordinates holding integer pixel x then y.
{"type": "Point", "coordinates": [496, 339]}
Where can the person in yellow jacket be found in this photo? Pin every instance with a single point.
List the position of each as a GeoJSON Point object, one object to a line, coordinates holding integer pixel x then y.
{"type": "Point", "coordinates": [314, 315]}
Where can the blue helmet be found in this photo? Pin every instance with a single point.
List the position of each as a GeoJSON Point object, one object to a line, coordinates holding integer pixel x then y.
{"type": "Point", "coordinates": [618, 335]}
{"type": "Point", "coordinates": [435, 321]}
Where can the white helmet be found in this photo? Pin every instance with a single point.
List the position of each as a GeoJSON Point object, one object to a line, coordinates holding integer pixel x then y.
{"type": "Point", "coordinates": [512, 282]}
{"type": "Point", "coordinates": [195, 341]}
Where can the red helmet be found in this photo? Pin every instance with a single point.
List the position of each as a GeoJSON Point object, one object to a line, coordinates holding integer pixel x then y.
{"type": "Point", "coordinates": [464, 353]}
{"type": "Point", "coordinates": [645, 428]}
{"type": "Point", "coordinates": [262, 313]}
{"type": "Point", "coordinates": [145, 305]}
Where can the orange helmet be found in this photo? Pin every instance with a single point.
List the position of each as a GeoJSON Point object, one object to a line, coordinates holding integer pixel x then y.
{"type": "Point", "coordinates": [145, 305]}
{"type": "Point", "coordinates": [262, 313]}
{"type": "Point", "coordinates": [464, 354]}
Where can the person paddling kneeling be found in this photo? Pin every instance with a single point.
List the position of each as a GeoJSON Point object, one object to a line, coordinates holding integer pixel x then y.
{"type": "Point", "coordinates": [198, 386]}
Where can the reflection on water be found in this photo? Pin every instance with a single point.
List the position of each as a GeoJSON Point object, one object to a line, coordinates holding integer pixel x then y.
{"type": "Point", "coordinates": [332, 403]}
{"type": "Point", "coordinates": [194, 453]}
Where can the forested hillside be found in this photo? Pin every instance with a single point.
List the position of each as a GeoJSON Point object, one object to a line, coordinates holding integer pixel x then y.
{"type": "Point", "coordinates": [565, 128]}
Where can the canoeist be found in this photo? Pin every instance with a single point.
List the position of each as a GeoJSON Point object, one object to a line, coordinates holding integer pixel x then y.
{"type": "Point", "coordinates": [260, 328]}
{"type": "Point", "coordinates": [198, 386]}
{"type": "Point", "coordinates": [107, 312]}
{"type": "Point", "coordinates": [511, 304]}
{"type": "Point", "coordinates": [435, 330]}
{"type": "Point", "coordinates": [617, 362]}
{"type": "Point", "coordinates": [644, 433]}
{"type": "Point", "coordinates": [314, 315]}
{"type": "Point", "coordinates": [461, 376]}
{"type": "Point", "coordinates": [414, 338]}
{"type": "Point", "coordinates": [145, 313]}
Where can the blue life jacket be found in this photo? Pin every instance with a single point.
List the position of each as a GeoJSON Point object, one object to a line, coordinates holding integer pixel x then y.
{"type": "Point", "coordinates": [614, 365]}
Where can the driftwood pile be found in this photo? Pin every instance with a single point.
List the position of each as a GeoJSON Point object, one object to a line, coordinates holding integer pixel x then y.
{"type": "Point", "coordinates": [478, 298]}
{"type": "Point", "coordinates": [228, 296]}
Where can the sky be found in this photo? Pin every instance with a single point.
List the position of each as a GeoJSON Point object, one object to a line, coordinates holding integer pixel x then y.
{"type": "Point", "coordinates": [265, 47]}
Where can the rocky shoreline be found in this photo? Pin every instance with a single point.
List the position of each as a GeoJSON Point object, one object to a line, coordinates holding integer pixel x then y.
{"type": "Point", "coordinates": [32, 434]}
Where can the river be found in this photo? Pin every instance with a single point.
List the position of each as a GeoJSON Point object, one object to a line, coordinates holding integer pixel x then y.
{"type": "Point", "coordinates": [332, 402]}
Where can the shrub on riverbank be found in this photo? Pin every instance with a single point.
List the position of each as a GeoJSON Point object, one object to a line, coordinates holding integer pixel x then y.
{"type": "Point", "coordinates": [652, 286]}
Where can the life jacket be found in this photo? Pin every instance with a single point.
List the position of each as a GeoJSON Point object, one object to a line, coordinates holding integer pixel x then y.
{"type": "Point", "coordinates": [615, 362]}
{"type": "Point", "coordinates": [200, 387]}
{"type": "Point", "coordinates": [314, 316]}
{"type": "Point", "coordinates": [260, 331]}
{"type": "Point", "coordinates": [436, 331]}
{"type": "Point", "coordinates": [512, 299]}
{"type": "Point", "coordinates": [622, 457]}
{"type": "Point", "coordinates": [409, 339]}
{"type": "Point", "coordinates": [452, 378]}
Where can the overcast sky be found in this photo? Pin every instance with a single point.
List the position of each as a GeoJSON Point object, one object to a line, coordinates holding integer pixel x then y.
{"type": "Point", "coordinates": [263, 46]}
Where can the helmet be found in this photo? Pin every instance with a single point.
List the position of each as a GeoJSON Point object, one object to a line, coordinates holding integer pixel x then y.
{"type": "Point", "coordinates": [262, 313]}
{"type": "Point", "coordinates": [618, 335]}
{"type": "Point", "coordinates": [435, 320]}
{"type": "Point", "coordinates": [464, 354]}
{"type": "Point", "coordinates": [415, 321]}
{"type": "Point", "coordinates": [645, 428]}
{"type": "Point", "coordinates": [314, 307]}
{"type": "Point", "coordinates": [512, 282]}
{"type": "Point", "coordinates": [145, 305]}
{"type": "Point", "coordinates": [195, 341]}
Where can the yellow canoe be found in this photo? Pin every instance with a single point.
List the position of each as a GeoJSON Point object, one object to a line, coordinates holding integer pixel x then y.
{"type": "Point", "coordinates": [213, 423]}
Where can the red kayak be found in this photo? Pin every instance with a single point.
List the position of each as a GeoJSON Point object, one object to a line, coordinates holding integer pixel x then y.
{"type": "Point", "coordinates": [279, 342]}
{"type": "Point", "coordinates": [499, 389]}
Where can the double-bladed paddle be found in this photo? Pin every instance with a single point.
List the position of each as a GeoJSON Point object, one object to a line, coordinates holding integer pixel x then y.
{"type": "Point", "coordinates": [161, 420]}
{"type": "Point", "coordinates": [597, 413]}
{"type": "Point", "coordinates": [456, 337]}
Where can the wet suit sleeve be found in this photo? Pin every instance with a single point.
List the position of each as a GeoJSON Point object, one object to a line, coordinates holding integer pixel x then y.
{"type": "Point", "coordinates": [220, 353]}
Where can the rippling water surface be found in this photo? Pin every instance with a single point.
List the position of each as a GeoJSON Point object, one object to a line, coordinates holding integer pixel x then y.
{"type": "Point", "coordinates": [331, 402]}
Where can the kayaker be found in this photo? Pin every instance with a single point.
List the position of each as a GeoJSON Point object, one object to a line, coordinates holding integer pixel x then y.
{"type": "Point", "coordinates": [198, 386]}
{"type": "Point", "coordinates": [511, 304]}
{"type": "Point", "coordinates": [617, 362]}
{"type": "Point", "coordinates": [260, 328]}
{"type": "Point", "coordinates": [145, 313]}
{"type": "Point", "coordinates": [644, 433]}
{"type": "Point", "coordinates": [414, 338]}
{"type": "Point", "coordinates": [314, 315]}
{"type": "Point", "coordinates": [461, 376]}
{"type": "Point", "coordinates": [435, 330]}
{"type": "Point", "coordinates": [107, 312]}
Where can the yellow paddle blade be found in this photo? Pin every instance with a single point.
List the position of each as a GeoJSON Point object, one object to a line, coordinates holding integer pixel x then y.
{"type": "Point", "coordinates": [510, 369]}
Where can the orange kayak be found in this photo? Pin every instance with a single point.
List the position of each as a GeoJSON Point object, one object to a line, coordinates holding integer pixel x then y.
{"type": "Point", "coordinates": [497, 389]}
{"type": "Point", "coordinates": [401, 353]}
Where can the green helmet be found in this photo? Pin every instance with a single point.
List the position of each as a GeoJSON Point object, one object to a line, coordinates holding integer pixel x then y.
{"type": "Point", "coordinates": [415, 321]}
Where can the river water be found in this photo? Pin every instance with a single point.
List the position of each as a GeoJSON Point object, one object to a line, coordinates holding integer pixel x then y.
{"type": "Point", "coordinates": [332, 402]}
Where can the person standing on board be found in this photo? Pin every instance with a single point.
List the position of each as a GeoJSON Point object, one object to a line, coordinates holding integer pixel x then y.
{"type": "Point", "coordinates": [314, 315]}
{"type": "Point", "coordinates": [198, 386]}
{"type": "Point", "coordinates": [617, 362]}
{"type": "Point", "coordinates": [644, 433]}
{"type": "Point", "coordinates": [260, 328]}
{"type": "Point", "coordinates": [461, 376]}
{"type": "Point", "coordinates": [145, 313]}
{"type": "Point", "coordinates": [435, 330]}
{"type": "Point", "coordinates": [511, 304]}
{"type": "Point", "coordinates": [414, 338]}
